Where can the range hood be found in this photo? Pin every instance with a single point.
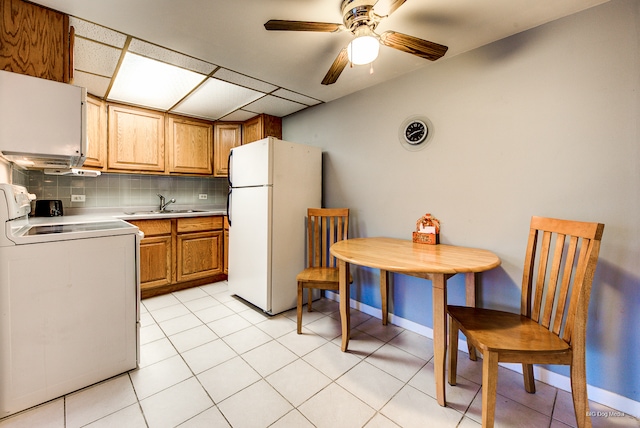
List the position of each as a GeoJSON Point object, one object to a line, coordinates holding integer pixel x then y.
{"type": "Point", "coordinates": [43, 123]}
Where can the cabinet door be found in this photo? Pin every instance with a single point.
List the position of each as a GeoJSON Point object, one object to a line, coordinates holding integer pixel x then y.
{"type": "Point", "coordinates": [226, 137]}
{"type": "Point", "coordinates": [34, 40]}
{"type": "Point", "coordinates": [252, 130]}
{"type": "Point", "coordinates": [96, 133]}
{"type": "Point", "coordinates": [156, 253]}
{"type": "Point", "coordinates": [260, 127]}
{"type": "Point", "coordinates": [190, 145]}
{"type": "Point", "coordinates": [136, 139]}
{"type": "Point", "coordinates": [199, 255]}
{"type": "Point", "coordinates": [155, 262]}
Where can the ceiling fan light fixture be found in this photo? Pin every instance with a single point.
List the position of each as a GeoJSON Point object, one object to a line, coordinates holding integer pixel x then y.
{"type": "Point", "coordinates": [363, 50]}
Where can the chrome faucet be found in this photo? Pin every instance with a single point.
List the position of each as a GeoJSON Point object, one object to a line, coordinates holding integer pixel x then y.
{"type": "Point", "coordinates": [163, 203]}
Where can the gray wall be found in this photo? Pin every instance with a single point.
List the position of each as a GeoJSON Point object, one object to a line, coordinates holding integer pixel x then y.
{"type": "Point", "coordinates": [542, 123]}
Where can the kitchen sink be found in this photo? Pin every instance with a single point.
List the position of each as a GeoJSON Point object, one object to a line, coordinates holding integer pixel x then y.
{"type": "Point", "coordinates": [164, 212]}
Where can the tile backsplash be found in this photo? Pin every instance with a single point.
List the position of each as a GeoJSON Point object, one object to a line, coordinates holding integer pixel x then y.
{"type": "Point", "coordinates": [124, 190]}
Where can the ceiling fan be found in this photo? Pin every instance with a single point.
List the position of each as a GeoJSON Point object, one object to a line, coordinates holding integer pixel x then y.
{"type": "Point", "coordinates": [361, 20]}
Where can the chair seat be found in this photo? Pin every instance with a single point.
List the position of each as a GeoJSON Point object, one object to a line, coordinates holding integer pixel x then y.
{"type": "Point", "coordinates": [505, 331]}
{"type": "Point", "coordinates": [319, 274]}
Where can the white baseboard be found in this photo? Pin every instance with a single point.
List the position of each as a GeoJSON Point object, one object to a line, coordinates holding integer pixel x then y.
{"type": "Point", "coordinates": [599, 395]}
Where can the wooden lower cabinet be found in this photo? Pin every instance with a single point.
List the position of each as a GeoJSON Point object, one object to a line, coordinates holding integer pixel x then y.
{"type": "Point", "coordinates": [155, 261]}
{"type": "Point", "coordinates": [200, 250]}
{"type": "Point", "coordinates": [180, 253]}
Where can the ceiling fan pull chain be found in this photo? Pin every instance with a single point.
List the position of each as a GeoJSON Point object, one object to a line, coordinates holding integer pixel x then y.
{"type": "Point", "coordinates": [371, 68]}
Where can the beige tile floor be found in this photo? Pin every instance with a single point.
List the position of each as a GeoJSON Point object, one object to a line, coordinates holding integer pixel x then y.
{"type": "Point", "coordinates": [210, 360]}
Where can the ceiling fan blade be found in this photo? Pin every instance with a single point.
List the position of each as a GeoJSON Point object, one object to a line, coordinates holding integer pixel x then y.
{"type": "Point", "coordinates": [281, 25]}
{"type": "Point", "coordinates": [413, 45]}
{"type": "Point", "coordinates": [336, 68]}
{"type": "Point", "coordinates": [387, 7]}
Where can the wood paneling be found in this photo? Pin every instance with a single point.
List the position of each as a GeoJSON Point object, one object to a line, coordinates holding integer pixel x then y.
{"type": "Point", "coordinates": [34, 40]}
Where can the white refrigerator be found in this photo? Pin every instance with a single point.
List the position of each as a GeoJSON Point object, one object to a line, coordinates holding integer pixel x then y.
{"type": "Point", "coordinates": [271, 185]}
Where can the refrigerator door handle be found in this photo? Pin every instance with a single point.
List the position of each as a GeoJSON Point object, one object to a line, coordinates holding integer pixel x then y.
{"type": "Point", "coordinates": [230, 186]}
{"type": "Point", "coordinates": [229, 168]}
{"type": "Point", "coordinates": [229, 205]}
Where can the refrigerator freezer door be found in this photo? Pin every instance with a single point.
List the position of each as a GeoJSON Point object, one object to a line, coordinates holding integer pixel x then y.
{"type": "Point", "coordinates": [250, 245]}
{"type": "Point", "coordinates": [251, 164]}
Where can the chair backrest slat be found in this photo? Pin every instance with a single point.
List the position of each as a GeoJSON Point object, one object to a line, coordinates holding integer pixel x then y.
{"type": "Point", "coordinates": [325, 227]}
{"type": "Point", "coordinates": [553, 281]}
{"type": "Point", "coordinates": [565, 285]}
{"type": "Point", "coordinates": [559, 266]}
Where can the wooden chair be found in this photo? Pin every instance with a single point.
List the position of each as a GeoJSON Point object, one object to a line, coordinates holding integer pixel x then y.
{"type": "Point", "coordinates": [325, 226]}
{"type": "Point", "coordinates": [551, 326]}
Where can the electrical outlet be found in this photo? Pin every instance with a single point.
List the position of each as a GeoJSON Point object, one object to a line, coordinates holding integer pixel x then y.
{"type": "Point", "coordinates": [77, 198]}
{"type": "Point", "coordinates": [202, 196]}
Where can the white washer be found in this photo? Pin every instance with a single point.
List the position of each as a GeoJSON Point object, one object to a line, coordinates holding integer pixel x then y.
{"type": "Point", "coordinates": [69, 303]}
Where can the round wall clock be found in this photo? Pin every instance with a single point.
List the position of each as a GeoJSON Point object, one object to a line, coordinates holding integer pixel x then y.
{"type": "Point", "coordinates": [415, 132]}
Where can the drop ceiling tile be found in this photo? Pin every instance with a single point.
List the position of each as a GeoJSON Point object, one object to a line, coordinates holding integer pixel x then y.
{"type": "Point", "coordinates": [294, 96]}
{"type": "Point", "coordinates": [101, 34]}
{"type": "Point", "coordinates": [145, 82]}
{"type": "Point", "coordinates": [96, 85]}
{"type": "Point", "coordinates": [243, 80]}
{"type": "Point", "coordinates": [171, 57]}
{"type": "Point", "coordinates": [215, 99]}
{"type": "Point", "coordinates": [96, 58]}
{"type": "Point", "coordinates": [238, 116]}
{"type": "Point", "coordinates": [274, 106]}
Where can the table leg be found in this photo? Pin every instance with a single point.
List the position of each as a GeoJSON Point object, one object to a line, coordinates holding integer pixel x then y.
{"type": "Point", "coordinates": [470, 286]}
{"type": "Point", "coordinates": [384, 293]}
{"type": "Point", "coordinates": [345, 298]}
{"type": "Point", "coordinates": [440, 334]}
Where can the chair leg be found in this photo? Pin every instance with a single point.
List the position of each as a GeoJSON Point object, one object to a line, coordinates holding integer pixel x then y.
{"type": "Point", "coordinates": [489, 388]}
{"type": "Point", "coordinates": [529, 380]}
{"type": "Point", "coordinates": [579, 392]}
{"type": "Point", "coordinates": [299, 308]}
{"type": "Point", "coordinates": [309, 299]}
{"type": "Point", "coordinates": [453, 350]}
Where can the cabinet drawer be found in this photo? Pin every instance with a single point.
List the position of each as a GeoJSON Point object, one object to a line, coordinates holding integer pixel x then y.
{"type": "Point", "coordinates": [153, 227]}
{"type": "Point", "coordinates": [195, 224]}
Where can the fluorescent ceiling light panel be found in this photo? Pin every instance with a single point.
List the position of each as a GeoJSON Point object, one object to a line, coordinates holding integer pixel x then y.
{"type": "Point", "coordinates": [275, 106]}
{"type": "Point", "coordinates": [170, 57]}
{"type": "Point", "coordinates": [146, 82]}
{"type": "Point", "coordinates": [243, 80]}
{"type": "Point", "coordinates": [215, 99]}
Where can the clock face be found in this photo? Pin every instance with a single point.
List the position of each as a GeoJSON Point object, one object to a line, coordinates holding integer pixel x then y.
{"type": "Point", "coordinates": [415, 132]}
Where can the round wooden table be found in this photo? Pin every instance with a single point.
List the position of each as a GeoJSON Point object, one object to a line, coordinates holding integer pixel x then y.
{"type": "Point", "coordinates": [434, 262]}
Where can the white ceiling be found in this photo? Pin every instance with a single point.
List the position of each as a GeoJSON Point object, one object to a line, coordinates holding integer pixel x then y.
{"type": "Point", "coordinates": [278, 73]}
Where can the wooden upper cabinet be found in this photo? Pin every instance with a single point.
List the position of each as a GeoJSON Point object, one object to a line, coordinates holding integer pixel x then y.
{"type": "Point", "coordinates": [34, 40]}
{"type": "Point", "coordinates": [136, 139]}
{"type": "Point", "coordinates": [96, 133]}
{"type": "Point", "coordinates": [262, 126]}
{"type": "Point", "coordinates": [190, 145]}
{"type": "Point", "coordinates": [226, 136]}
